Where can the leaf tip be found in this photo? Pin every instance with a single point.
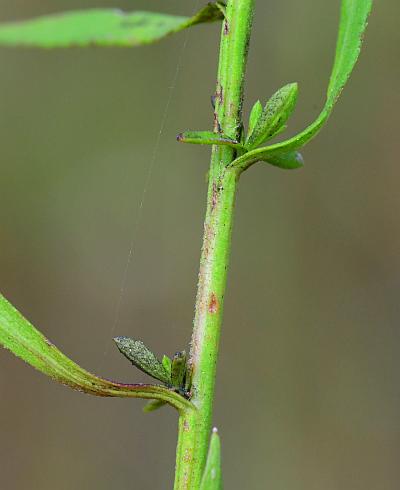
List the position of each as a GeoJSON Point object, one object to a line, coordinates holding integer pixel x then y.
{"type": "Point", "coordinates": [292, 90]}
{"type": "Point", "coordinates": [120, 340]}
{"type": "Point", "coordinates": [292, 86]}
{"type": "Point", "coordinates": [212, 475]}
{"type": "Point", "coordinates": [299, 160]}
{"type": "Point", "coordinates": [290, 160]}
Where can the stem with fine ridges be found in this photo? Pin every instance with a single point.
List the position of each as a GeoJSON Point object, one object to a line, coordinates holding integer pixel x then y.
{"type": "Point", "coordinates": [195, 424]}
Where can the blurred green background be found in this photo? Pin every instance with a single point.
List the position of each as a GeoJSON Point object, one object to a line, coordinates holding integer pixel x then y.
{"type": "Point", "coordinates": [308, 393]}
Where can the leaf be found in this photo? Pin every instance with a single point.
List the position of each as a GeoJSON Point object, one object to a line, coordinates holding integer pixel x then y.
{"type": "Point", "coordinates": [212, 476]}
{"type": "Point", "coordinates": [167, 363]}
{"type": "Point", "coordinates": [353, 21]}
{"type": "Point", "coordinates": [207, 138]}
{"type": "Point", "coordinates": [276, 112]}
{"type": "Point", "coordinates": [141, 357]}
{"type": "Point", "coordinates": [100, 27]}
{"type": "Point", "coordinates": [254, 117]}
{"type": "Point", "coordinates": [289, 161]}
{"type": "Point", "coordinates": [178, 370]}
{"type": "Point", "coordinates": [26, 342]}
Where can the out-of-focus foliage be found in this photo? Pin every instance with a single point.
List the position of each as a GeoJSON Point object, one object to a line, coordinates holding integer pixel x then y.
{"type": "Point", "coordinates": [102, 27]}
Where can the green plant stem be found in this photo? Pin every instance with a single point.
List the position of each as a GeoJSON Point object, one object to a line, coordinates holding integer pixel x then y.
{"type": "Point", "coordinates": [195, 424]}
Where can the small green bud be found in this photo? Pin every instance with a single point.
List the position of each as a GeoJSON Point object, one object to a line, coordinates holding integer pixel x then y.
{"type": "Point", "coordinates": [274, 116]}
{"type": "Point", "coordinates": [178, 371]}
{"type": "Point", "coordinates": [153, 405]}
{"type": "Point", "coordinates": [141, 357]}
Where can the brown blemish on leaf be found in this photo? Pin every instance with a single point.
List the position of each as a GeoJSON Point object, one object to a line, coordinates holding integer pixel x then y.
{"type": "Point", "coordinates": [213, 305]}
{"type": "Point", "coordinates": [186, 426]}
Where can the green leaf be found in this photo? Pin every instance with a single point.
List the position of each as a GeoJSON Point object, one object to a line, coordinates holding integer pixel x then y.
{"type": "Point", "coordinates": [274, 115]}
{"type": "Point", "coordinates": [212, 476]}
{"type": "Point", "coordinates": [289, 161]}
{"type": "Point", "coordinates": [26, 342]}
{"type": "Point", "coordinates": [101, 27]}
{"type": "Point", "coordinates": [142, 357]}
{"type": "Point", "coordinates": [167, 363]}
{"type": "Point", "coordinates": [353, 21]}
{"type": "Point", "coordinates": [178, 370]}
{"type": "Point", "coordinates": [207, 138]}
{"type": "Point", "coordinates": [254, 117]}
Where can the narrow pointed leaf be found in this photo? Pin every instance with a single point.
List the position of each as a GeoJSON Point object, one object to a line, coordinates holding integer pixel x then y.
{"type": "Point", "coordinates": [353, 21]}
{"type": "Point", "coordinates": [288, 161]}
{"type": "Point", "coordinates": [212, 476]}
{"type": "Point", "coordinates": [207, 138]}
{"type": "Point", "coordinates": [167, 363]}
{"type": "Point", "coordinates": [274, 116]}
{"type": "Point", "coordinates": [142, 357]}
{"type": "Point", "coordinates": [178, 370]}
{"type": "Point", "coordinates": [102, 27]}
{"type": "Point", "coordinates": [254, 117]}
{"type": "Point", "coordinates": [26, 342]}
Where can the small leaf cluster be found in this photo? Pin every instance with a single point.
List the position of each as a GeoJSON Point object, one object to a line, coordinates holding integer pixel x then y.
{"type": "Point", "coordinates": [171, 372]}
{"type": "Point", "coordinates": [264, 124]}
{"type": "Point", "coordinates": [270, 121]}
{"type": "Point", "coordinates": [267, 122]}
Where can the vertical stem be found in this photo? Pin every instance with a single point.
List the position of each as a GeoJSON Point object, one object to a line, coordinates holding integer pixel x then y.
{"type": "Point", "coordinates": [195, 424]}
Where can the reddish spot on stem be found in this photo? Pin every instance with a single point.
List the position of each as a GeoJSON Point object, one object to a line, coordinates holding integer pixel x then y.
{"type": "Point", "coordinates": [217, 126]}
{"type": "Point", "coordinates": [226, 28]}
{"type": "Point", "coordinates": [214, 195]}
{"type": "Point", "coordinates": [219, 93]}
{"type": "Point", "coordinates": [213, 306]}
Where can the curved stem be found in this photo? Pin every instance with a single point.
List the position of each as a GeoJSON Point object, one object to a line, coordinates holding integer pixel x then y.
{"type": "Point", "coordinates": [195, 425]}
